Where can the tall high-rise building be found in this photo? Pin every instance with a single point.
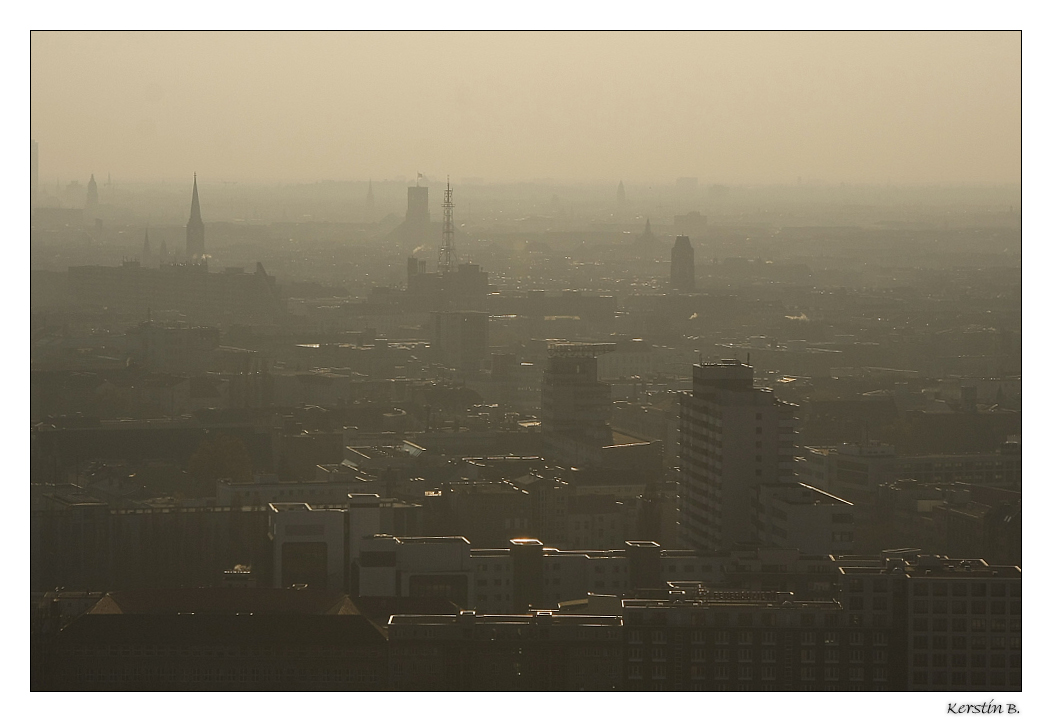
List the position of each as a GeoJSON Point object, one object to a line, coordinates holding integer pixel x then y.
{"type": "Point", "coordinates": [576, 406]}
{"type": "Point", "coordinates": [146, 247]}
{"type": "Point", "coordinates": [34, 172]}
{"type": "Point", "coordinates": [733, 438]}
{"type": "Point", "coordinates": [93, 194]}
{"type": "Point", "coordinates": [417, 212]}
{"type": "Point", "coordinates": [461, 338]}
{"type": "Point", "coordinates": [621, 193]}
{"type": "Point", "coordinates": [682, 264]}
{"type": "Point", "coordinates": [370, 203]}
{"type": "Point", "coordinates": [195, 229]}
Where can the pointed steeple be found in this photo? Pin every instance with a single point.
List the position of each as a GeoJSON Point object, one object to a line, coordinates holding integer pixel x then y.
{"type": "Point", "coordinates": [93, 192]}
{"type": "Point", "coordinates": [146, 246]}
{"type": "Point", "coordinates": [646, 231]}
{"type": "Point", "coordinates": [195, 229]}
{"type": "Point", "coordinates": [621, 193]}
{"type": "Point", "coordinates": [164, 252]}
{"type": "Point", "coordinates": [195, 205]}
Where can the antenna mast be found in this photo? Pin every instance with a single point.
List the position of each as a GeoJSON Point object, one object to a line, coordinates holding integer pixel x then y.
{"type": "Point", "coordinates": [447, 255]}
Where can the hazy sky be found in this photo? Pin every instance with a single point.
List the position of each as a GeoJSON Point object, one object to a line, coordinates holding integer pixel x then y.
{"type": "Point", "coordinates": [726, 107]}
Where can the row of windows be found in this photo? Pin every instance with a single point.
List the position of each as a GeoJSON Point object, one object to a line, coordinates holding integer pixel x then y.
{"type": "Point", "coordinates": [170, 674]}
{"type": "Point", "coordinates": [767, 674]}
{"type": "Point", "coordinates": [920, 641]}
{"type": "Point", "coordinates": [963, 624]}
{"type": "Point", "coordinates": [975, 678]}
{"type": "Point", "coordinates": [960, 606]}
{"type": "Point", "coordinates": [964, 589]}
{"type": "Point", "coordinates": [921, 659]}
{"type": "Point", "coordinates": [744, 637]}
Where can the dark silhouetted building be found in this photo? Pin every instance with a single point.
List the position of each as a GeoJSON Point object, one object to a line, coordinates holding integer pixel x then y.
{"type": "Point", "coordinates": [195, 229]}
{"type": "Point", "coordinates": [460, 338]}
{"type": "Point", "coordinates": [93, 194]}
{"type": "Point", "coordinates": [575, 406]}
{"type": "Point", "coordinates": [682, 265]}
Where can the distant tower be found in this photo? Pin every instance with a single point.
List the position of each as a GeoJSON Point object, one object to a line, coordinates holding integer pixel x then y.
{"type": "Point", "coordinates": [683, 264]}
{"type": "Point", "coordinates": [648, 235]}
{"type": "Point", "coordinates": [447, 255]}
{"type": "Point", "coordinates": [93, 193]}
{"type": "Point", "coordinates": [146, 247]}
{"type": "Point", "coordinates": [163, 253]}
{"type": "Point", "coordinates": [195, 229]}
{"type": "Point", "coordinates": [621, 193]}
{"type": "Point", "coordinates": [416, 213]}
{"type": "Point", "coordinates": [34, 172]}
{"type": "Point", "coordinates": [370, 204]}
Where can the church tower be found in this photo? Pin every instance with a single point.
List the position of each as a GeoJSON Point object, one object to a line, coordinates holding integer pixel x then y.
{"type": "Point", "coordinates": [93, 194]}
{"type": "Point", "coordinates": [195, 229]}
{"type": "Point", "coordinates": [146, 247]}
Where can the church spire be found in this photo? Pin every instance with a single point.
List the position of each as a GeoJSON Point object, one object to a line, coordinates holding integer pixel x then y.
{"type": "Point", "coordinates": [195, 205]}
{"type": "Point", "coordinates": [93, 192]}
{"type": "Point", "coordinates": [146, 245]}
{"type": "Point", "coordinates": [195, 229]}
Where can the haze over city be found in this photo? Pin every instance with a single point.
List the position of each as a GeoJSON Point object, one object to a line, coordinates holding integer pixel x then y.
{"type": "Point", "coordinates": [528, 362]}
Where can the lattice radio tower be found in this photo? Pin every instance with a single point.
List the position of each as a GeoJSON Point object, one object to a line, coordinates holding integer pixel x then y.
{"type": "Point", "coordinates": [447, 255]}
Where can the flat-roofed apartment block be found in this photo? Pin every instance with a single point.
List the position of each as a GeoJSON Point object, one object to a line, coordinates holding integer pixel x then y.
{"type": "Point", "coordinates": [309, 546]}
{"type": "Point", "coordinates": [965, 625]}
{"type": "Point", "coordinates": [537, 651]}
{"type": "Point", "coordinates": [953, 624]}
{"type": "Point", "coordinates": [733, 438]}
{"type": "Point", "coordinates": [695, 639]}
